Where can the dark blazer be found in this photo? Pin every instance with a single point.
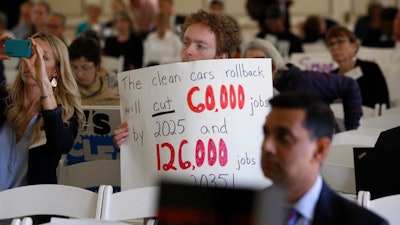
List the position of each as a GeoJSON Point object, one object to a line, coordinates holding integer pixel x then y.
{"type": "Point", "coordinates": [331, 209]}
{"type": "Point", "coordinates": [389, 138]}
{"type": "Point", "coordinates": [372, 84]}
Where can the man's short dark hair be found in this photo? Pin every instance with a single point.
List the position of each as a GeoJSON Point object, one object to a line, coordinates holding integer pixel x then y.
{"type": "Point", "coordinates": [319, 120]}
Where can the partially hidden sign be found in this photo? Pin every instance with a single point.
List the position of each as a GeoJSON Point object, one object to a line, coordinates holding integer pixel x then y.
{"type": "Point", "coordinates": [95, 142]}
{"type": "Point", "coordinates": [198, 122]}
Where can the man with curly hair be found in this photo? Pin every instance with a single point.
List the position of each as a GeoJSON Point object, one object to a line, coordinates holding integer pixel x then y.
{"type": "Point", "coordinates": [204, 36]}
{"type": "Point", "coordinates": [208, 36]}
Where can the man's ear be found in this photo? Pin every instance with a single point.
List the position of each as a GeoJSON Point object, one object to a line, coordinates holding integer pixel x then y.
{"type": "Point", "coordinates": [223, 56]}
{"type": "Point", "coordinates": [323, 146]}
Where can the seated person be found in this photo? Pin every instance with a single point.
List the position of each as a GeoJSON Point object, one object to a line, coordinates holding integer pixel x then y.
{"type": "Point", "coordinates": [298, 133]}
{"type": "Point", "coordinates": [163, 45]}
{"type": "Point", "coordinates": [343, 46]}
{"type": "Point", "coordinates": [276, 32]}
{"type": "Point", "coordinates": [327, 87]}
{"type": "Point", "coordinates": [383, 35]}
{"type": "Point", "coordinates": [84, 53]}
{"type": "Point", "coordinates": [126, 43]}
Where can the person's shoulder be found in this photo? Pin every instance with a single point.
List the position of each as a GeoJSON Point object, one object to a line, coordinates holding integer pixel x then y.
{"type": "Point", "coordinates": [366, 63]}
{"type": "Point", "coordinates": [335, 209]}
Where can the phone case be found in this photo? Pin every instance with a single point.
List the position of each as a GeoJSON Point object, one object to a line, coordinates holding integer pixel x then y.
{"type": "Point", "coordinates": [18, 48]}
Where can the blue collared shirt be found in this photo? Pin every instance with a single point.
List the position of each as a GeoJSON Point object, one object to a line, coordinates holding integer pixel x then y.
{"type": "Point", "coordinates": [14, 156]}
{"type": "Point", "coordinates": [306, 205]}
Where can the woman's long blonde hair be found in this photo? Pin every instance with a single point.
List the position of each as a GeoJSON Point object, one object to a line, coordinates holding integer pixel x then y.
{"type": "Point", "coordinates": [66, 92]}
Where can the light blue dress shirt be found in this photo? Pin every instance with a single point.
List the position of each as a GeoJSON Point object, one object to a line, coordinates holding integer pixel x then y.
{"type": "Point", "coordinates": [14, 156]}
{"type": "Point", "coordinates": [306, 205]}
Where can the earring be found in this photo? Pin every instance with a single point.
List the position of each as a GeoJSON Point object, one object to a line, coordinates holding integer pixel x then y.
{"type": "Point", "coordinates": [53, 82]}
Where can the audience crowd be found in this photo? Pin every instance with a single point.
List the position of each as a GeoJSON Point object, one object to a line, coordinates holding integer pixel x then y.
{"type": "Point", "coordinates": [50, 88]}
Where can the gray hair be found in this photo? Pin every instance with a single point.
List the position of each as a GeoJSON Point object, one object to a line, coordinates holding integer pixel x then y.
{"type": "Point", "coordinates": [269, 50]}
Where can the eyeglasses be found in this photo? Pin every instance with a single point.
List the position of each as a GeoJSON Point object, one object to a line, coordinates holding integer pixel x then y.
{"type": "Point", "coordinates": [339, 43]}
{"type": "Point", "coordinates": [84, 68]}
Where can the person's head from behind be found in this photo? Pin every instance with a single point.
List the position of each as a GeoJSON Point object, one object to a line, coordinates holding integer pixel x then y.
{"type": "Point", "coordinates": [314, 27]}
{"type": "Point", "coordinates": [261, 48]}
{"type": "Point", "coordinates": [342, 43]}
{"type": "Point", "coordinates": [208, 36]}
{"type": "Point", "coordinates": [84, 53]}
{"type": "Point", "coordinates": [275, 19]}
{"type": "Point", "coordinates": [297, 136]}
{"type": "Point", "coordinates": [55, 24]}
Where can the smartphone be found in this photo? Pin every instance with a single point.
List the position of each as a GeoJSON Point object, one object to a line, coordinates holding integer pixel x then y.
{"type": "Point", "coordinates": [18, 48]}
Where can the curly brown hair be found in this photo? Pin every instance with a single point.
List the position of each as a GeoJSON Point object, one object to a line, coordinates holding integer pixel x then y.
{"type": "Point", "coordinates": [226, 33]}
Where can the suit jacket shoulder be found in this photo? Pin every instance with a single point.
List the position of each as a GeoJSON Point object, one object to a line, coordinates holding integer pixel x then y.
{"type": "Point", "coordinates": [333, 209]}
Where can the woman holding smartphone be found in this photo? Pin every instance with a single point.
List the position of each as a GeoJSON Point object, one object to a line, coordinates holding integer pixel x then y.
{"type": "Point", "coordinates": [42, 114]}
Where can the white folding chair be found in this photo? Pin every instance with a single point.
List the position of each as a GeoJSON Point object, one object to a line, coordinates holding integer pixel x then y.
{"type": "Point", "coordinates": [368, 112]}
{"type": "Point", "coordinates": [383, 122]}
{"type": "Point", "coordinates": [390, 111]}
{"type": "Point", "coordinates": [138, 203]}
{"type": "Point", "coordinates": [339, 177]}
{"type": "Point", "coordinates": [359, 137]}
{"type": "Point", "coordinates": [113, 64]}
{"type": "Point", "coordinates": [50, 199]}
{"type": "Point", "coordinates": [16, 221]}
{"type": "Point", "coordinates": [89, 174]}
{"type": "Point", "coordinates": [338, 169]}
{"type": "Point", "coordinates": [387, 207]}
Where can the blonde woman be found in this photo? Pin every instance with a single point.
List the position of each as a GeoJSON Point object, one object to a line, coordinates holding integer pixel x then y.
{"type": "Point", "coordinates": [43, 115]}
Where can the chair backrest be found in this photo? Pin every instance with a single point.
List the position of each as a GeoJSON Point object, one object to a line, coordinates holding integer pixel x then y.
{"type": "Point", "coordinates": [89, 174]}
{"type": "Point", "coordinates": [339, 177]}
{"type": "Point", "coordinates": [338, 169]}
{"type": "Point", "coordinates": [368, 112]}
{"type": "Point", "coordinates": [50, 199]}
{"type": "Point", "coordinates": [383, 122]}
{"type": "Point", "coordinates": [359, 137]}
{"type": "Point", "coordinates": [113, 64]}
{"type": "Point", "coordinates": [387, 207]}
{"type": "Point", "coordinates": [131, 204]}
{"type": "Point", "coordinates": [390, 111]}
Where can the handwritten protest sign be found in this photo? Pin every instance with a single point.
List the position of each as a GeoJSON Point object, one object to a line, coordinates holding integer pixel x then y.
{"type": "Point", "coordinates": [95, 140]}
{"type": "Point", "coordinates": [199, 122]}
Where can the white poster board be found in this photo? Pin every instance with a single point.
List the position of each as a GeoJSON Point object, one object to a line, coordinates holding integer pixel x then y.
{"type": "Point", "coordinates": [199, 122]}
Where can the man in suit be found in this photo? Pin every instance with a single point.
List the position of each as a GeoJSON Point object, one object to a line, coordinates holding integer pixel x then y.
{"type": "Point", "coordinates": [297, 136]}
